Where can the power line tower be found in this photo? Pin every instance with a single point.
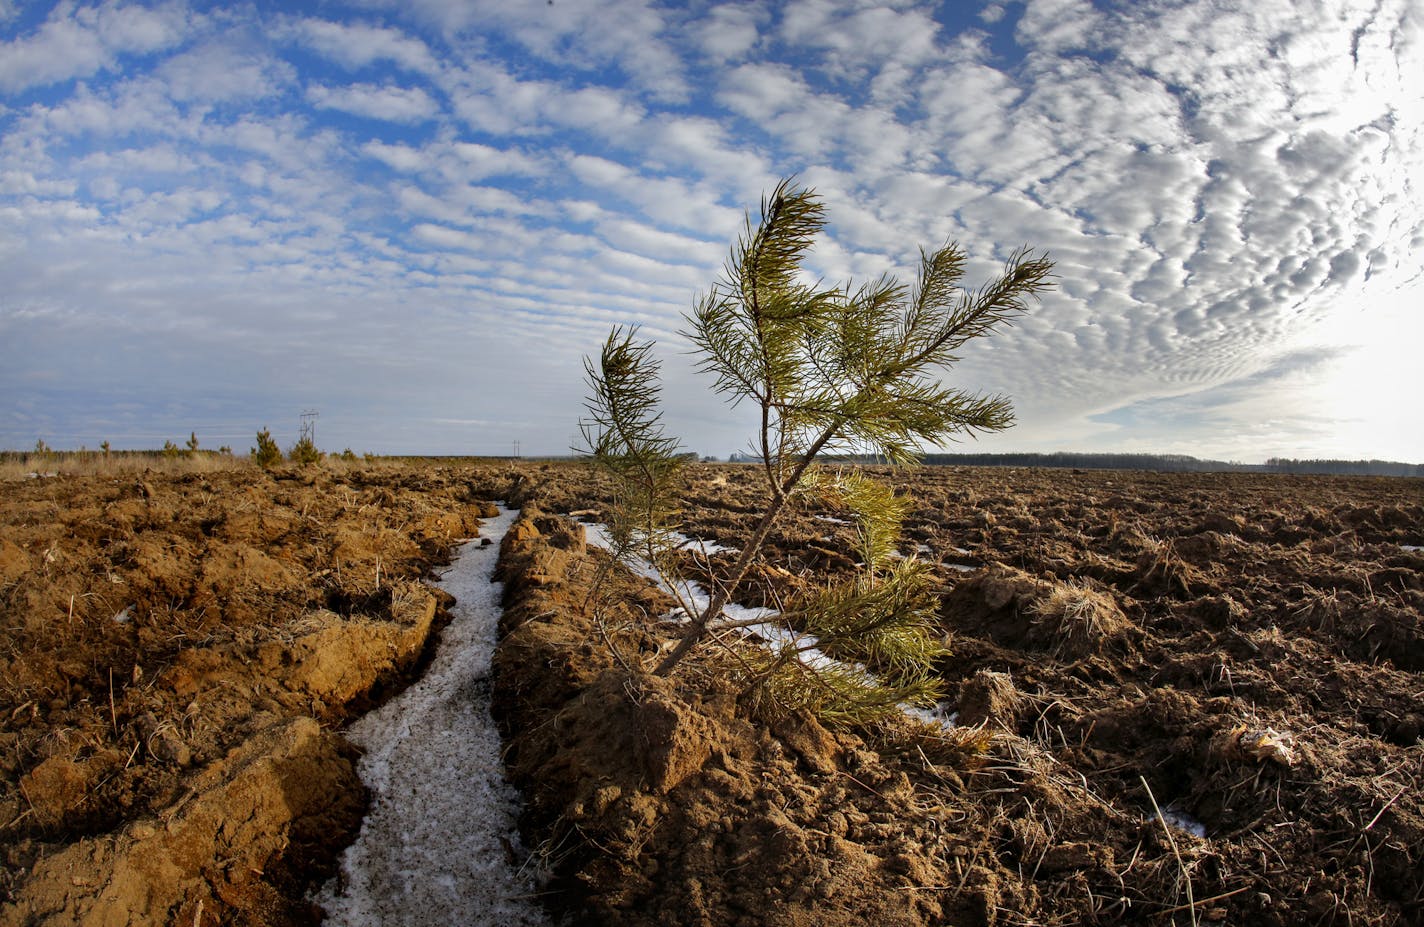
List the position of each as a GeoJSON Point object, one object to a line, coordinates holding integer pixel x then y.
{"type": "Point", "coordinates": [516, 448]}
{"type": "Point", "coordinates": [309, 426]}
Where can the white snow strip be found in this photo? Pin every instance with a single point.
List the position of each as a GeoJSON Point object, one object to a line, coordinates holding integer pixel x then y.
{"type": "Point", "coordinates": [962, 567]}
{"type": "Point", "coordinates": [832, 520]}
{"type": "Point", "coordinates": [436, 846]}
{"type": "Point", "coordinates": [706, 548]}
{"type": "Point", "coordinates": [1410, 547]}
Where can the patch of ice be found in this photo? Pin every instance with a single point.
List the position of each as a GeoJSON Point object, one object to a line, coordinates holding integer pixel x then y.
{"type": "Point", "coordinates": [831, 520]}
{"type": "Point", "coordinates": [436, 846]}
{"type": "Point", "coordinates": [124, 616]}
{"type": "Point", "coordinates": [1414, 547]}
{"type": "Point", "coordinates": [962, 567]}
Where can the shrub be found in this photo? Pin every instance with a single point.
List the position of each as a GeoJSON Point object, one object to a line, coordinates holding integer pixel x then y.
{"type": "Point", "coordinates": [266, 454]}
{"type": "Point", "coordinates": [304, 453]}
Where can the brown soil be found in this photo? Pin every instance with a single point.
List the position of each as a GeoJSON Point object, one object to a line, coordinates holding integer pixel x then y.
{"type": "Point", "coordinates": [1243, 649]}
{"type": "Point", "coordinates": [171, 644]}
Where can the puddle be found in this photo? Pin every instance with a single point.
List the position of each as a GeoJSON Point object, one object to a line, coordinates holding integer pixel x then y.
{"type": "Point", "coordinates": [439, 844]}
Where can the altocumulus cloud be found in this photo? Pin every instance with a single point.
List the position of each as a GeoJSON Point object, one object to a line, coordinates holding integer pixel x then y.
{"type": "Point", "coordinates": [417, 217]}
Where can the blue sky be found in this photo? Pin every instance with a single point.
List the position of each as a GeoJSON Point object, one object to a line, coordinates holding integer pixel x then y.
{"type": "Point", "coordinates": [417, 217]}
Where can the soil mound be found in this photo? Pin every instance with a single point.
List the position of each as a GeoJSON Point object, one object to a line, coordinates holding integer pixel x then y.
{"type": "Point", "coordinates": [248, 827]}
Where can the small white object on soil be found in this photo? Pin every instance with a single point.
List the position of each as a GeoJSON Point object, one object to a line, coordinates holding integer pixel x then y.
{"type": "Point", "coordinates": [941, 715]}
{"type": "Point", "coordinates": [437, 845]}
{"type": "Point", "coordinates": [1182, 822]}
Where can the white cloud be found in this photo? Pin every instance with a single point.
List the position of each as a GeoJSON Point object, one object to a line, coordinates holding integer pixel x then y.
{"type": "Point", "coordinates": [730, 31]}
{"type": "Point", "coordinates": [589, 35]}
{"type": "Point", "coordinates": [387, 103]}
{"type": "Point", "coordinates": [861, 40]}
{"type": "Point", "coordinates": [78, 42]}
{"type": "Point", "coordinates": [397, 157]}
{"type": "Point", "coordinates": [1211, 179]}
{"type": "Point", "coordinates": [218, 72]}
{"type": "Point", "coordinates": [358, 45]}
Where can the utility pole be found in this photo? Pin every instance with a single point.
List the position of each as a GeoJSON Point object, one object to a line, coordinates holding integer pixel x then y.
{"type": "Point", "coordinates": [309, 426]}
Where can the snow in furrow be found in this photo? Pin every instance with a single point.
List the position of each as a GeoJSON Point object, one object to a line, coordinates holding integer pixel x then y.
{"type": "Point", "coordinates": [439, 844]}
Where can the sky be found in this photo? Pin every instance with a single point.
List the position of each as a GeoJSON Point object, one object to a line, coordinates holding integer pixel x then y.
{"type": "Point", "coordinates": [416, 217]}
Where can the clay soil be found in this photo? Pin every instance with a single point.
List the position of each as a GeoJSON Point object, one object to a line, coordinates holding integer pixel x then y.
{"type": "Point", "coordinates": [1241, 652]}
{"type": "Point", "coordinates": [176, 654]}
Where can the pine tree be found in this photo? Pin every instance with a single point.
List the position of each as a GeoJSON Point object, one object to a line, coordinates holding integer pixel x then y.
{"type": "Point", "coordinates": [828, 370]}
{"type": "Point", "coordinates": [304, 453]}
{"type": "Point", "coordinates": [266, 454]}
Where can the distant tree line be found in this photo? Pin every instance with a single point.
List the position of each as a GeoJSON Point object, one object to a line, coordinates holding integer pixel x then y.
{"type": "Point", "coordinates": [1165, 463]}
{"type": "Point", "coordinates": [1345, 467]}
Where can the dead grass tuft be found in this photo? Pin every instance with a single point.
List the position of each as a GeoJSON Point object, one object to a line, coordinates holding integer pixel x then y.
{"type": "Point", "coordinates": [1078, 616]}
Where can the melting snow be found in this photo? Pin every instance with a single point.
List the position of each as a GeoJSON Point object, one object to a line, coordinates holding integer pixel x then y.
{"type": "Point", "coordinates": [760, 623]}
{"type": "Point", "coordinates": [706, 548]}
{"type": "Point", "coordinates": [438, 843]}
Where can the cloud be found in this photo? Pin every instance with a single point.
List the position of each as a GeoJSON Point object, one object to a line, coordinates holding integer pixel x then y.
{"type": "Point", "coordinates": [358, 45]}
{"type": "Point", "coordinates": [222, 73]}
{"type": "Point", "coordinates": [590, 36]}
{"type": "Point", "coordinates": [387, 103]}
{"type": "Point", "coordinates": [1215, 181]}
{"type": "Point", "coordinates": [80, 41]}
{"type": "Point", "coordinates": [730, 31]}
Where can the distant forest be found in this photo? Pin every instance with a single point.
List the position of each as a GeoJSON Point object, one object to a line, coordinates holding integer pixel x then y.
{"type": "Point", "coordinates": [1168, 463]}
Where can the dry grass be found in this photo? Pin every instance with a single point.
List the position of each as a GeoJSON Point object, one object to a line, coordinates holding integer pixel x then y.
{"type": "Point", "coordinates": [1078, 616]}
{"type": "Point", "coordinates": [16, 466]}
